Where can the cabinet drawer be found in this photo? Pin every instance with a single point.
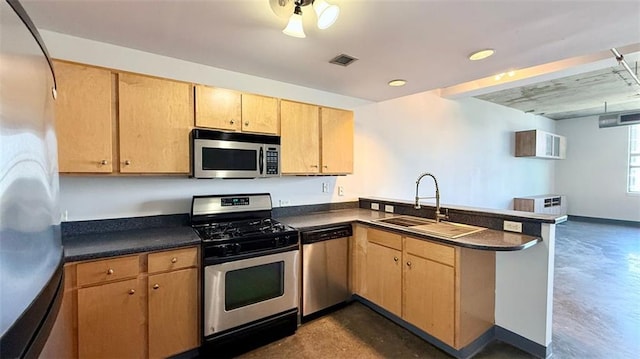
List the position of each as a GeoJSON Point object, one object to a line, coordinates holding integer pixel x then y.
{"type": "Point", "coordinates": [429, 250]}
{"type": "Point", "coordinates": [107, 270]}
{"type": "Point", "coordinates": [384, 238]}
{"type": "Point", "coordinates": [174, 259]}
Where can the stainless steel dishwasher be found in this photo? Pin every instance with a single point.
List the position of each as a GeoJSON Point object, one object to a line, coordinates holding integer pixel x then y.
{"type": "Point", "coordinates": [324, 268]}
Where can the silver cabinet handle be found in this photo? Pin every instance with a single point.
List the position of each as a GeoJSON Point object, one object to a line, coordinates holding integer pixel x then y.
{"type": "Point", "coordinates": [314, 166]}
{"type": "Point", "coordinates": [132, 291]}
{"type": "Point", "coordinates": [174, 259]}
{"type": "Point", "coordinates": [104, 162]}
{"type": "Point", "coordinates": [109, 271]}
{"type": "Point", "coordinates": [156, 286]}
{"type": "Point", "coordinates": [246, 123]}
{"type": "Point", "coordinates": [127, 162]}
{"type": "Point", "coordinates": [232, 122]}
{"type": "Point", "coordinates": [409, 264]}
{"type": "Point", "coordinates": [395, 259]}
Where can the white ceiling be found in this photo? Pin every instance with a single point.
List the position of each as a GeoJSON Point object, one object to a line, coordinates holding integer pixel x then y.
{"type": "Point", "coordinates": [424, 42]}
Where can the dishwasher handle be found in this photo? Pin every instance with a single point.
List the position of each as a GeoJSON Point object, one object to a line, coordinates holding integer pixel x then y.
{"type": "Point", "coordinates": [325, 234]}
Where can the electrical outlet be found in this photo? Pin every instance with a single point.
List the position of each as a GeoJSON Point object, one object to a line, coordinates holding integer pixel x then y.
{"type": "Point", "coordinates": [64, 216]}
{"type": "Point", "coordinates": [375, 206]}
{"type": "Point", "coordinates": [340, 191]}
{"type": "Point", "coordinates": [512, 226]}
{"type": "Point", "coordinates": [325, 187]}
{"type": "Point", "coordinates": [285, 202]}
{"type": "Point", "coordinates": [388, 208]}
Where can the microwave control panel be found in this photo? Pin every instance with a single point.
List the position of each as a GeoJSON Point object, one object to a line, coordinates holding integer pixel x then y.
{"type": "Point", "coordinates": [272, 161]}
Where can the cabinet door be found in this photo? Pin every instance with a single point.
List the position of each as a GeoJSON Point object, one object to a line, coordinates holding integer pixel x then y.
{"type": "Point", "coordinates": [358, 260]}
{"type": "Point", "coordinates": [111, 322]}
{"type": "Point", "coordinates": [259, 114]}
{"type": "Point", "coordinates": [156, 116]}
{"type": "Point", "coordinates": [84, 119]}
{"type": "Point", "coordinates": [337, 141]}
{"type": "Point", "coordinates": [300, 138]}
{"type": "Point", "coordinates": [218, 108]}
{"type": "Point", "coordinates": [384, 277]}
{"type": "Point", "coordinates": [428, 299]}
{"type": "Point", "coordinates": [173, 312]}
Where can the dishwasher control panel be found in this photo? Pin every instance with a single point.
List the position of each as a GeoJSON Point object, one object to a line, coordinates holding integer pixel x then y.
{"type": "Point", "coordinates": [325, 234]}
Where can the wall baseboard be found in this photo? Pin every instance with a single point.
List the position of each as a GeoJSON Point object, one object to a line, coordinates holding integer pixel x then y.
{"type": "Point", "coordinates": [522, 343]}
{"type": "Point", "coordinates": [618, 222]}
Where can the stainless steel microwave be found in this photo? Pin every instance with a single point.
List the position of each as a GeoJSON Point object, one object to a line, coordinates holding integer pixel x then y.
{"type": "Point", "coordinates": [217, 154]}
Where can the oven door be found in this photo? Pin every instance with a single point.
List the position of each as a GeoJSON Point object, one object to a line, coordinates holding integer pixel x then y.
{"type": "Point", "coordinates": [247, 290]}
{"type": "Point", "coordinates": [227, 159]}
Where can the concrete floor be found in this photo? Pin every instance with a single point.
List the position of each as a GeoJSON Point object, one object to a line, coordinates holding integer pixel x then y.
{"type": "Point", "coordinates": [596, 309]}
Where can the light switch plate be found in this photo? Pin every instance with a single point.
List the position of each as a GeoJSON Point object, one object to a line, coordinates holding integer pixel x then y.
{"type": "Point", "coordinates": [375, 206]}
{"type": "Point", "coordinates": [388, 208]}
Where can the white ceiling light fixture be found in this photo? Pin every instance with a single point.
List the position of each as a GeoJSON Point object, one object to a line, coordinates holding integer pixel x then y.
{"type": "Point", "coordinates": [481, 54]}
{"type": "Point", "coordinates": [326, 14]}
{"type": "Point", "coordinates": [397, 83]}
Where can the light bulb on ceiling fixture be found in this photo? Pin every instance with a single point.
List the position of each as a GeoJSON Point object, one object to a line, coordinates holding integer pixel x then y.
{"type": "Point", "coordinates": [327, 14]}
{"type": "Point", "coordinates": [294, 27]}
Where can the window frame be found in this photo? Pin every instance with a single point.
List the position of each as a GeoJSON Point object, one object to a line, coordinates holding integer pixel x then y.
{"type": "Point", "coordinates": [634, 136]}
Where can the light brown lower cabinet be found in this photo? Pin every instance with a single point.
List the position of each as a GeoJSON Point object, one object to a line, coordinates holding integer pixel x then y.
{"type": "Point", "coordinates": [136, 306]}
{"type": "Point", "coordinates": [429, 298]}
{"type": "Point", "coordinates": [384, 270]}
{"type": "Point", "coordinates": [173, 315]}
{"type": "Point", "coordinates": [446, 291]}
{"type": "Point", "coordinates": [111, 322]}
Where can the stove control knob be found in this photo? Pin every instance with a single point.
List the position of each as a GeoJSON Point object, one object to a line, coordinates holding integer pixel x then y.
{"type": "Point", "coordinates": [223, 250]}
{"type": "Point", "coordinates": [237, 248]}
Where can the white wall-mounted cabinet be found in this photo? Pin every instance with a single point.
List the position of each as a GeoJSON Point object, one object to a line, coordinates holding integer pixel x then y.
{"type": "Point", "coordinates": [541, 144]}
{"type": "Point", "coordinates": [547, 204]}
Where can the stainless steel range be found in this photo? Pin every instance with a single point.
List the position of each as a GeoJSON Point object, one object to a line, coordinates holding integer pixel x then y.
{"type": "Point", "coordinates": [250, 275]}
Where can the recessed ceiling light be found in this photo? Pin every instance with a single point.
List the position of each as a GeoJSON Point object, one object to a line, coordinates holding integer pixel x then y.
{"type": "Point", "coordinates": [482, 54]}
{"type": "Point", "coordinates": [397, 83]}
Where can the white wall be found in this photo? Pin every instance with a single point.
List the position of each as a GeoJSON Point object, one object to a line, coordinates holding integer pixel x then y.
{"type": "Point", "coordinates": [594, 174]}
{"type": "Point", "coordinates": [468, 144]}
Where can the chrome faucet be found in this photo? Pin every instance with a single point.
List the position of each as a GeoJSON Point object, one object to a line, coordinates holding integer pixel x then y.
{"type": "Point", "coordinates": [439, 216]}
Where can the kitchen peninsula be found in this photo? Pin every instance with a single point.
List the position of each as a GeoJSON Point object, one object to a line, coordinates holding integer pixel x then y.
{"type": "Point", "coordinates": [518, 265]}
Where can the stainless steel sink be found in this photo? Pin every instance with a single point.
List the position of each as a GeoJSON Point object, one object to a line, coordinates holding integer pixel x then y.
{"type": "Point", "coordinates": [406, 221]}
{"type": "Point", "coordinates": [429, 226]}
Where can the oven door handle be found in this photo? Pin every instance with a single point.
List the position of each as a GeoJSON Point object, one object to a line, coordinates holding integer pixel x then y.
{"type": "Point", "coordinates": [207, 261]}
{"type": "Point", "coordinates": [261, 160]}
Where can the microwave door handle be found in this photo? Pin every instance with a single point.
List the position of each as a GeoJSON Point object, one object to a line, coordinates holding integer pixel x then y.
{"type": "Point", "coordinates": [261, 160]}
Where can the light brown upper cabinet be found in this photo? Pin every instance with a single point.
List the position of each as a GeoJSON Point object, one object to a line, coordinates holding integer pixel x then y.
{"type": "Point", "coordinates": [84, 118]}
{"type": "Point", "coordinates": [235, 111]}
{"type": "Point", "coordinates": [300, 138]}
{"type": "Point", "coordinates": [155, 117]}
{"type": "Point", "coordinates": [110, 122]}
{"type": "Point", "coordinates": [337, 141]}
{"type": "Point", "coordinates": [315, 140]}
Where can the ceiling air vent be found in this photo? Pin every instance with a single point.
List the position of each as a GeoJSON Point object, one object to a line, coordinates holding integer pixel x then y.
{"type": "Point", "coordinates": [342, 60]}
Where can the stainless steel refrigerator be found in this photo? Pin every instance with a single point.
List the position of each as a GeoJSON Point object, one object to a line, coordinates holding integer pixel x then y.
{"type": "Point", "coordinates": [30, 246]}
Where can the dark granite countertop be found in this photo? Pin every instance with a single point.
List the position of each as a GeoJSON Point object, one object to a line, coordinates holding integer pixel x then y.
{"type": "Point", "coordinates": [487, 239]}
{"type": "Point", "coordinates": [115, 243]}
